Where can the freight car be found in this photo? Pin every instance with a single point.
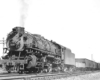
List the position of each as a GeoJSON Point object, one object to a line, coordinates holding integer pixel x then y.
{"type": "Point", "coordinates": [27, 52]}
{"type": "Point", "coordinates": [98, 66]}
{"type": "Point", "coordinates": [86, 64]}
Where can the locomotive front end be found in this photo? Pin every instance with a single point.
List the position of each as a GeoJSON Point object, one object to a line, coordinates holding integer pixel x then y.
{"type": "Point", "coordinates": [15, 58]}
{"type": "Point", "coordinates": [14, 40]}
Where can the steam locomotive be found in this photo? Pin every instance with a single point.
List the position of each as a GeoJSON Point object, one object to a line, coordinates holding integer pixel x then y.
{"type": "Point", "coordinates": [27, 53]}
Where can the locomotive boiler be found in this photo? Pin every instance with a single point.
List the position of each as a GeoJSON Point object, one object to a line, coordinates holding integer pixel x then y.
{"type": "Point", "coordinates": [27, 52]}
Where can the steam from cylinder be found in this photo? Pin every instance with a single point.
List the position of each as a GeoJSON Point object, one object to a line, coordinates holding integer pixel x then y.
{"type": "Point", "coordinates": [24, 11]}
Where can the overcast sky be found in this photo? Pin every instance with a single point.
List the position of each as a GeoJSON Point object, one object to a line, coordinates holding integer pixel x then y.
{"type": "Point", "coordinates": [71, 23]}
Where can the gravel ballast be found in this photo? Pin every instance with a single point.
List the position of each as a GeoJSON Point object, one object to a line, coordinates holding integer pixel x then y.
{"type": "Point", "coordinates": [91, 76]}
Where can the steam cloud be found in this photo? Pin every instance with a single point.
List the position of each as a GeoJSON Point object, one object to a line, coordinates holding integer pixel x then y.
{"type": "Point", "coordinates": [24, 12]}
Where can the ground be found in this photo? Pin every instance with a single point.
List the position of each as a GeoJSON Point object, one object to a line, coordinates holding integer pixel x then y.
{"type": "Point", "coordinates": [92, 76]}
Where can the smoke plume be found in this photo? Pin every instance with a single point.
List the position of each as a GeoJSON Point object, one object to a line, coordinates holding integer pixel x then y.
{"type": "Point", "coordinates": [24, 12]}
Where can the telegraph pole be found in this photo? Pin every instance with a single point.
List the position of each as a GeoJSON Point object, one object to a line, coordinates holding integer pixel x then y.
{"type": "Point", "coordinates": [2, 42]}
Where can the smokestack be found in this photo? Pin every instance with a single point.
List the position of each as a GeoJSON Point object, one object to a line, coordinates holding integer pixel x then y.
{"type": "Point", "coordinates": [24, 12]}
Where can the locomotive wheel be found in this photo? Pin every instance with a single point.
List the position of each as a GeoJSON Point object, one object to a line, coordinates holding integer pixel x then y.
{"type": "Point", "coordinates": [70, 69]}
{"type": "Point", "coordinates": [49, 69]}
{"type": "Point", "coordinates": [40, 70]}
{"type": "Point", "coordinates": [45, 71]}
{"type": "Point", "coordinates": [17, 69]}
{"type": "Point", "coordinates": [9, 71]}
{"type": "Point", "coordinates": [21, 72]}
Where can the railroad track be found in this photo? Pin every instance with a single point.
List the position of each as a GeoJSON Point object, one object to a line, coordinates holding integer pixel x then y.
{"type": "Point", "coordinates": [33, 76]}
{"type": "Point", "coordinates": [40, 76]}
{"type": "Point", "coordinates": [4, 75]}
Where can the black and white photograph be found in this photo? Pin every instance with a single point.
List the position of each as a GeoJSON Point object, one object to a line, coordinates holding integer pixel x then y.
{"type": "Point", "coordinates": [49, 39]}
